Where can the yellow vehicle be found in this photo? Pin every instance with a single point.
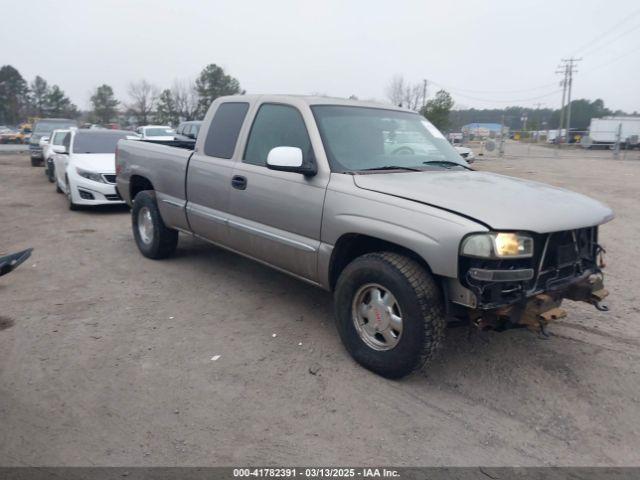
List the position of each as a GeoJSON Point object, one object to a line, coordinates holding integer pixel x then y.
{"type": "Point", "coordinates": [22, 135]}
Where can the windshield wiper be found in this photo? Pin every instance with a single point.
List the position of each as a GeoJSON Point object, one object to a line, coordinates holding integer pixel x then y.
{"type": "Point", "coordinates": [392, 167]}
{"type": "Point", "coordinates": [445, 163]}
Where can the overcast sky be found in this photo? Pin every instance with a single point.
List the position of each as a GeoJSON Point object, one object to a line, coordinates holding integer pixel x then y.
{"type": "Point", "coordinates": [487, 54]}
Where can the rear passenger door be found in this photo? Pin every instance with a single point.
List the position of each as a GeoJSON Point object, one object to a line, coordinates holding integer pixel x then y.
{"type": "Point", "coordinates": [276, 216]}
{"type": "Point", "coordinates": [209, 173]}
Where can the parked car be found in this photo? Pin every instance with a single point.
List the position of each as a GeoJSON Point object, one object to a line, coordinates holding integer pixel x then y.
{"type": "Point", "coordinates": [53, 146]}
{"type": "Point", "coordinates": [20, 135]}
{"type": "Point", "coordinates": [156, 132]}
{"type": "Point", "coordinates": [466, 153]}
{"type": "Point", "coordinates": [188, 131]}
{"type": "Point", "coordinates": [43, 128]}
{"type": "Point", "coordinates": [8, 135]}
{"type": "Point", "coordinates": [85, 172]}
{"type": "Point", "coordinates": [407, 239]}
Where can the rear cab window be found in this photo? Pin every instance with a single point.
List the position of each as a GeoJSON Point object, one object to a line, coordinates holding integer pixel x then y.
{"type": "Point", "coordinates": [224, 129]}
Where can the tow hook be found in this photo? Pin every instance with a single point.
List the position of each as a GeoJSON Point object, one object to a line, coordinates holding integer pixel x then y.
{"type": "Point", "coordinates": [597, 298]}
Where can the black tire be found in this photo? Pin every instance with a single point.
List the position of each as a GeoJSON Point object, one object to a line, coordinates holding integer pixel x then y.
{"type": "Point", "coordinates": [72, 206]}
{"type": "Point", "coordinates": [35, 162]}
{"type": "Point", "coordinates": [419, 298]}
{"type": "Point", "coordinates": [164, 239]}
{"type": "Point", "coordinates": [58, 189]}
{"type": "Point", "coordinates": [51, 174]}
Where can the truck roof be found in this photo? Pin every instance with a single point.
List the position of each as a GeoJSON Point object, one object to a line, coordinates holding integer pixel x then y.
{"type": "Point", "coordinates": [314, 100]}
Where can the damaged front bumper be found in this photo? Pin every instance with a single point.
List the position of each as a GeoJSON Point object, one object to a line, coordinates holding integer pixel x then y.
{"type": "Point", "coordinates": [529, 293]}
{"type": "Point", "coordinates": [538, 311]}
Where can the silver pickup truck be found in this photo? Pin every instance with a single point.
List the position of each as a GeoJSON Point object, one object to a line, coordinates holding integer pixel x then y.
{"type": "Point", "coordinates": [370, 202]}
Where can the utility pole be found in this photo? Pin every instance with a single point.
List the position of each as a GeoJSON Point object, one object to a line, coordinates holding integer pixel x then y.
{"type": "Point", "coordinates": [501, 149]}
{"type": "Point", "coordinates": [570, 69]}
{"type": "Point", "coordinates": [563, 82]}
{"type": "Point", "coordinates": [424, 93]}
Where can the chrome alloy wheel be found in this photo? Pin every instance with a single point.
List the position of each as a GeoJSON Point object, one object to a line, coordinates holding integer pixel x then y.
{"type": "Point", "coordinates": [377, 317]}
{"type": "Point", "coordinates": [145, 225]}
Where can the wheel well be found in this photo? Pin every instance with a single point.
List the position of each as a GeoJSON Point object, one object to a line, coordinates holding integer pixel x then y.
{"type": "Point", "coordinates": [138, 184]}
{"type": "Point", "coordinates": [352, 245]}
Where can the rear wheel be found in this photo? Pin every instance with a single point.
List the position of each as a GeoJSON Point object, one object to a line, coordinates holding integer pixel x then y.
{"type": "Point", "coordinates": [154, 239]}
{"type": "Point", "coordinates": [35, 162]}
{"type": "Point", "coordinates": [389, 312]}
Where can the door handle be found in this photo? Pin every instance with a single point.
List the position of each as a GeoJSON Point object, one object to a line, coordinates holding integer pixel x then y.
{"type": "Point", "coordinates": [239, 182]}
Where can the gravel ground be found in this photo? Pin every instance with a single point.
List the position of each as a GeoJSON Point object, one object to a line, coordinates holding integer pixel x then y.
{"type": "Point", "coordinates": [106, 357]}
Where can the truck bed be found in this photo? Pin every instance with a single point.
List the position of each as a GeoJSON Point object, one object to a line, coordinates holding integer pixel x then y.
{"type": "Point", "coordinates": [164, 164]}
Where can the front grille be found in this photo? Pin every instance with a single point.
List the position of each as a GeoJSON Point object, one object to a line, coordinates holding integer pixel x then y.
{"type": "Point", "coordinates": [109, 178]}
{"type": "Point", "coordinates": [566, 255]}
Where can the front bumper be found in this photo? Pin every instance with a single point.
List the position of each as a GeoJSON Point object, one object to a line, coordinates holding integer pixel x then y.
{"type": "Point", "coordinates": [565, 264]}
{"type": "Point", "coordinates": [88, 192]}
{"type": "Point", "coordinates": [35, 152]}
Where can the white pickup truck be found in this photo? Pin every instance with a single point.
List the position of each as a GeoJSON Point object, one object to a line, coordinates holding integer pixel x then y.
{"type": "Point", "coordinates": [372, 203]}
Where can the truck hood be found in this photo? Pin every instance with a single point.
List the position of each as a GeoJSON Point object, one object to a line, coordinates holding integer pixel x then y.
{"type": "Point", "coordinates": [95, 162]}
{"type": "Point", "coordinates": [498, 201]}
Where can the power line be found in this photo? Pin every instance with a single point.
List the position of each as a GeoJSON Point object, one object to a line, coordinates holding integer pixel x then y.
{"type": "Point", "coordinates": [520, 90]}
{"type": "Point", "coordinates": [603, 35]}
{"type": "Point", "coordinates": [613, 60]}
{"type": "Point", "coordinates": [486, 100]}
{"type": "Point", "coordinates": [600, 47]}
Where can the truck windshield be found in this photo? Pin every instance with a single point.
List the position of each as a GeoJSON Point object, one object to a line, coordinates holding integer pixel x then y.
{"type": "Point", "coordinates": [97, 141]}
{"type": "Point", "coordinates": [159, 132]}
{"type": "Point", "coordinates": [363, 138]}
{"type": "Point", "coordinates": [43, 127]}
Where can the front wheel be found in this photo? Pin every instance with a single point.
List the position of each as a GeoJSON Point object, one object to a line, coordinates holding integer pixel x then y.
{"type": "Point", "coordinates": [389, 312]}
{"type": "Point", "coordinates": [154, 239]}
{"type": "Point", "coordinates": [72, 206]}
{"type": "Point", "coordinates": [50, 172]}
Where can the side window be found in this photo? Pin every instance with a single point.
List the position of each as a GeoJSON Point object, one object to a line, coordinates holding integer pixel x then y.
{"type": "Point", "coordinates": [276, 126]}
{"type": "Point", "coordinates": [224, 129]}
{"type": "Point", "coordinates": [180, 129]}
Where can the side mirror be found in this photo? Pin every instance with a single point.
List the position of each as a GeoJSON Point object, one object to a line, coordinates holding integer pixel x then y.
{"type": "Point", "coordinates": [289, 159]}
{"type": "Point", "coordinates": [58, 148]}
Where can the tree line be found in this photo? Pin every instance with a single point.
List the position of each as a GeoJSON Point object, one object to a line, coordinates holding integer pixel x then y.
{"type": "Point", "coordinates": [146, 103]}
{"type": "Point", "coordinates": [19, 99]}
{"type": "Point", "coordinates": [189, 100]}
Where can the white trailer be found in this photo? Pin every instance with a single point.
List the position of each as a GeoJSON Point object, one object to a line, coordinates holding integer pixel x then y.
{"type": "Point", "coordinates": [605, 131]}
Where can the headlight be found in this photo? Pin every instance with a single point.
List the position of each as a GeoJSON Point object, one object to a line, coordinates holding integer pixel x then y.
{"type": "Point", "coordinates": [96, 177]}
{"type": "Point", "coordinates": [497, 245]}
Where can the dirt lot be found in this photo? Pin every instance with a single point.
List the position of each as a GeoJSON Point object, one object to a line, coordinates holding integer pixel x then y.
{"type": "Point", "coordinates": [106, 357]}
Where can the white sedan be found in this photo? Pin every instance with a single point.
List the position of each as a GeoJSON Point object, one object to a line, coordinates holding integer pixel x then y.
{"type": "Point", "coordinates": [86, 171]}
{"type": "Point", "coordinates": [156, 132]}
{"type": "Point", "coordinates": [465, 153]}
